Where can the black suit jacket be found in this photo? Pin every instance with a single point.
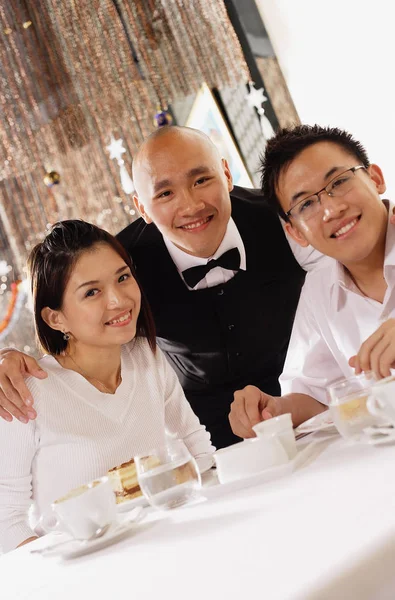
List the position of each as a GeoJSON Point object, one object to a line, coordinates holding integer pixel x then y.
{"type": "Point", "coordinates": [220, 339]}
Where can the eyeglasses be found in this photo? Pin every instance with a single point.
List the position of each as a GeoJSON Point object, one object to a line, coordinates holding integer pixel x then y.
{"type": "Point", "coordinates": [308, 208]}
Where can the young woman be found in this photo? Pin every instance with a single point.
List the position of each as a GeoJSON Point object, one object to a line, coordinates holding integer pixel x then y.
{"type": "Point", "coordinates": [110, 393]}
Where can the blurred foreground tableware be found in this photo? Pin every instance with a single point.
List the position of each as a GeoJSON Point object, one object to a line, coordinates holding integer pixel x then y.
{"type": "Point", "coordinates": [169, 476]}
{"type": "Point", "coordinates": [381, 402]}
{"type": "Point", "coordinates": [83, 511]}
{"type": "Point", "coordinates": [249, 457]}
{"type": "Point", "coordinates": [348, 405]}
{"type": "Point", "coordinates": [281, 427]}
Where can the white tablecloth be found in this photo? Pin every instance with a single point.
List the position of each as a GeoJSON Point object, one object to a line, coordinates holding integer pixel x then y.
{"type": "Point", "coordinates": [326, 531]}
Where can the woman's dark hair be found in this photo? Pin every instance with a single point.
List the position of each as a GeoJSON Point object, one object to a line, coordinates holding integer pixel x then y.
{"type": "Point", "coordinates": [50, 264]}
{"type": "Point", "coordinates": [281, 150]}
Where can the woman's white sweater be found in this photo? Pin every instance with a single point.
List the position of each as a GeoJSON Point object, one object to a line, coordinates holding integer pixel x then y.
{"type": "Point", "coordinates": [80, 433]}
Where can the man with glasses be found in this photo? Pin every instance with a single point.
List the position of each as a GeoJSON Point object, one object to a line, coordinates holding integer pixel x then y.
{"type": "Point", "coordinates": [345, 318]}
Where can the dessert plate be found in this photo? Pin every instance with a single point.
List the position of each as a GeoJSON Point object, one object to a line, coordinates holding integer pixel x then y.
{"type": "Point", "coordinates": [317, 423]}
{"type": "Point", "coordinates": [130, 504]}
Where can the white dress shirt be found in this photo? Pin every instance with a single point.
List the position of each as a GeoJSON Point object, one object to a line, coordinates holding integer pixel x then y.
{"type": "Point", "coordinates": [217, 275]}
{"type": "Point", "coordinates": [80, 433]}
{"type": "Point", "coordinates": [333, 319]}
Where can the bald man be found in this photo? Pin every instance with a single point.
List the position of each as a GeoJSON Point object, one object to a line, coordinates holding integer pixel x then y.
{"type": "Point", "coordinates": [218, 272]}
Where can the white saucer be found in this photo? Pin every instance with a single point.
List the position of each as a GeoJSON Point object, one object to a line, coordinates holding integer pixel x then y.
{"type": "Point", "coordinates": [130, 504]}
{"type": "Point", "coordinates": [212, 487]}
{"type": "Point", "coordinates": [317, 423]}
{"type": "Point", "coordinates": [377, 436]}
{"type": "Point", "coordinates": [250, 480]}
{"type": "Point", "coordinates": [73, 548]}
{"type": "Point", "coordinates": [114, 534]}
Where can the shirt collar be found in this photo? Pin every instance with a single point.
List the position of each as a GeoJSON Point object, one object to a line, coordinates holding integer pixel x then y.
{"type": "Point", "coordinates": [341, 280]}
{"type": "Point", "coordinates": [231, 239]}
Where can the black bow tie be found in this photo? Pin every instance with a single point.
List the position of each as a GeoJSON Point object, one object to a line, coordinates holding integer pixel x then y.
{"type": "Point", "coordinates": [228, 260]}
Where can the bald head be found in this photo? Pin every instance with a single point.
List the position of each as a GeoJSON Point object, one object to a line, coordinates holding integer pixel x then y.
{"type": "Point", "coordinates": [162, 138]}
{"type": "Point", "coordinates": [182, 185]}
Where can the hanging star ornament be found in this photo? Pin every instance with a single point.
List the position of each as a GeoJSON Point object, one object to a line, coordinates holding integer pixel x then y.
{"type": "Point", "coordinates": [115, 148]}
{"type": "Point", "coordinates": [255, 98]}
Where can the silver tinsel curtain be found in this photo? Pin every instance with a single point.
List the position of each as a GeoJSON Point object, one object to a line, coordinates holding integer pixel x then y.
{"type": "Point", "coordinates": [74, 73]}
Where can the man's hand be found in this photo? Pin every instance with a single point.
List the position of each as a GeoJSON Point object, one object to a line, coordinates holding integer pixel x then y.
{"type": "Point", "coordinates": [15, 398]}
{"type": "Point", "coordinates": [377, 353]}
{"type": "Point", "coordinates": [249, 407]}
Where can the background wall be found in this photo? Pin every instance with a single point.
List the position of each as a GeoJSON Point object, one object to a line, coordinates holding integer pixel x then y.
{"type": "Point", "coordinates": [337, 58]}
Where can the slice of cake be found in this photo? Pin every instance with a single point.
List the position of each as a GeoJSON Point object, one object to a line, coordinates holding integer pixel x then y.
{"type": "Point", "coordinates": [124, 482]}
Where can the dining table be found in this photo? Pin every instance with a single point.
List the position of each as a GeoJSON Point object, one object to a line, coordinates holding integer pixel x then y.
{"type": "Point", "coordinates": [323, 529]}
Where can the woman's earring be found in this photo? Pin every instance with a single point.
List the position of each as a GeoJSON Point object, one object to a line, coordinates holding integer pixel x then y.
{"type": "Point", "coordinates": [66, 336]}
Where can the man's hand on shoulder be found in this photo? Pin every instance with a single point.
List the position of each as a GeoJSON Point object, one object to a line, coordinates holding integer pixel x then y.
{"type": "Point", "coordinates": [249, 407]}
{"type": "Point", "coordinates": [15, 397]}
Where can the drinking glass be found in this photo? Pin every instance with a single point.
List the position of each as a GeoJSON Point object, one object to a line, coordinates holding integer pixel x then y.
{"type": "Point", "coordinates": [347, 405]}
{"type": "Point", "coordinates": [168, 476]}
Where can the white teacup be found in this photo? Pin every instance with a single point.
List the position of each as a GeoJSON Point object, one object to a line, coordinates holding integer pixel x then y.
{"type": "Point", "coordinates": [381, 401]}
{"type": "Point", "coordinates": [249, 457]}
{"type": "Point", "coordinates": [83, 511]}
{"type": "Point", "coordinates": [281, 427]}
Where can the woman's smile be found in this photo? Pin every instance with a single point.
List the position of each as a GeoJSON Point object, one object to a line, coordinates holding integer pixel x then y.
{"type": "Point", "coordinates": [121, 320]}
